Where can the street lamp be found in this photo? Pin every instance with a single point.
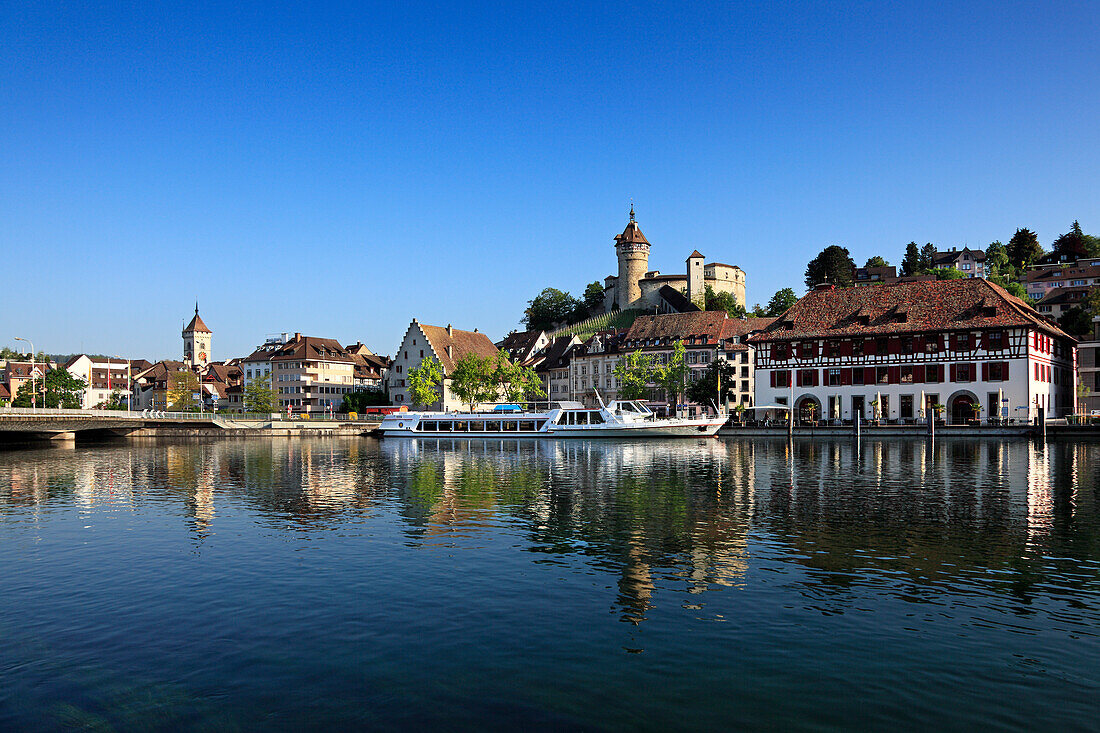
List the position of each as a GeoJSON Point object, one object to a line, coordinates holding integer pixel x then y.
{"type": "Point", "coordinates": [33, 393]}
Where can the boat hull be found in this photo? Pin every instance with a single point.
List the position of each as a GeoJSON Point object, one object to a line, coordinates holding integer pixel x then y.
{"type": "Point", "coordinates": [675, 429]}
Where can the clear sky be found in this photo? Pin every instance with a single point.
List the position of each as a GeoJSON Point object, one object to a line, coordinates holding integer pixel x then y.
{"type": "Point", "coordinates": [338, 169]}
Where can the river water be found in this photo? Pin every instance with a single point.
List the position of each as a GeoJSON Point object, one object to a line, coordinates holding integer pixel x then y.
{"type": "Point", "coordinates": [699, 584]}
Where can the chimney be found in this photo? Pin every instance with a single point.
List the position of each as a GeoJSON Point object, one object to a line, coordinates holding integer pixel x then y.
{"type": "Point", "coordinates": [450, 331]}
{"type": "Point", "coordinates": [449, 354]}
{"type": "Point", "coordinates": [297, 336]}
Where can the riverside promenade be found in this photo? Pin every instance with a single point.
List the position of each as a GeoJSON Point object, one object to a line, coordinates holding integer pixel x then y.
{"type": "Point", "coordinates": [23, 424]}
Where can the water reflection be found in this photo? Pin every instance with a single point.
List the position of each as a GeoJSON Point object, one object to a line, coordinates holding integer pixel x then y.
{"type": "Point", "coordinates": [669, 521]}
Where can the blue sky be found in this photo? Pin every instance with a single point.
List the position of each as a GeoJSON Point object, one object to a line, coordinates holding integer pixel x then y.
{"type": "Point", "coordinates": [338, 169]}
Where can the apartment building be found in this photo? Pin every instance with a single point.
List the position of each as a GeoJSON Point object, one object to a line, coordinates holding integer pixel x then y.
{"type": "Point", "coordinates": [102, 377]}
{"type": "Point", "coordinates": [311, 375]}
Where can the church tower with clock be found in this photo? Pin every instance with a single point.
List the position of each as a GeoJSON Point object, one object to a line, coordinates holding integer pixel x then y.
{"type": "Point", "coordinates": [196, 342]}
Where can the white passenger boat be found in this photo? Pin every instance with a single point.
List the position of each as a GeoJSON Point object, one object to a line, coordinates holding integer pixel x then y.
{"type": "Point", "coordinates": [620, 419]}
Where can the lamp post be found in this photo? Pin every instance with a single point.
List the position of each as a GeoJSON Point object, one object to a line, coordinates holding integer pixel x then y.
{"type": "Point", "coordinates": [33, 393]}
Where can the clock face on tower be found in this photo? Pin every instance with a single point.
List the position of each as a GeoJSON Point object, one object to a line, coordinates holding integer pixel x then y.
{"type": "Point", "coordinates": [202, 356]}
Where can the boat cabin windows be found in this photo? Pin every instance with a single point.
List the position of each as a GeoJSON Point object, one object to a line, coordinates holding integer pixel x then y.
{"type": "Point", "coordinates": [580, 417]}
{"type": "Point", "coordinates": [487, 425]}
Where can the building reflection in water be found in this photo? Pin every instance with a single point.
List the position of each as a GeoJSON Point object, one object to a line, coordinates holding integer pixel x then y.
{"type": "Point", "coordinates": [671, 521]}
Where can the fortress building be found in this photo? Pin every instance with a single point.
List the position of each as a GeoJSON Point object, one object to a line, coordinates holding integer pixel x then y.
{"type": "Point", "coordinates": [636, 286]}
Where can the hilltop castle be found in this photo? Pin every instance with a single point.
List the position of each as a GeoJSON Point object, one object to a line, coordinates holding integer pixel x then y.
{"type": "Point", "coordinates": [636, 286]}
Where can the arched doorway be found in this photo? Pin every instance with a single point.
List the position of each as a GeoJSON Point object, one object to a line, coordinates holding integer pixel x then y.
{"type": "Point", "coordinates": [962, 408]}
{"type": "Point", "coordinates": [808, 409]}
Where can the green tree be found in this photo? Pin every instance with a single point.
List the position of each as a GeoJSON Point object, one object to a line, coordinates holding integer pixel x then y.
{"type": "Point", "coordinates": [634, 372]}
{"type": "Point", "coordinates": [996, 258]}
{"type": "Point", "coordinates": [115, 401]}
{"type": "Point", "coordinates": [911, 264]}
{"type": "Point", "coordinates": [671, 375]}
{"type": "Point", "coordinates": [424, 382]}
{"type": "Point", "coordinates": [550, 308]}
{"type": "Point", "coordinates": [472, 380]}
{"type": "Point", "coordinates": [704, 391]}
{"type": "Point", "coordinates": [182, 388]}
{"type": "Point", "coordinates": [1073, 243]}
{"type": "Point", "coordinates": [361, 399]}
{"type": "Point", "coordinates": [1013, 288]}
{"type": "Point", "coordinates": [1024, 249]}
{"type": "Point", "coordinates": [1077, 321]}
{"type": "Point", "coordinates": [947, 273]}
{"type": "Point", "coordinates": [833, 265]}
{"type": "Point", "coordinates": [876, 261]}
{"type": "Point", "coordinates": [722, 301]}
{"type": "Point", "coordinates": [758, 311]}
{"type": "Point", "coordinates": [593, 298]}
{"type": "Point", "coordinates": [259, 395]}
{"type": "Point", "coordinates": [517, 383]}
{"type": "Point", "coordinates": [781, 302]}
{"type": "Point", "coordinates": [927, 258]}
{"type": "Point", "coordinates": [57, 388]}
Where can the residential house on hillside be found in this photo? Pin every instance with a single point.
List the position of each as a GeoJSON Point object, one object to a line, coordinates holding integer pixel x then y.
{"type": "Point", "coordinates": [312, 374]}
{"type": "Point", "coordinates": [446, 345]}
{"type": "Point", "coordinates": [370, 368]}
{"type": "Point", "coordinates": [521, 346]}
{"type": "Point", "coordinates": [1040, 281]}
{"type": "Point", "coordinates": [552, 364]}
{"type": "Point", "coordinates": [971, 262]}
{"type": "Point", "coordinates": [865, 276]}
{"type": "Point", "coordinates": [967, 344]}
{"type": "Point", "coordinates": [14, 374]}
{"type": "Point", "coordinates": [1059, 300]}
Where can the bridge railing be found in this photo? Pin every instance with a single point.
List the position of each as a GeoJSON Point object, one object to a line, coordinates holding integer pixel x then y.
{"type": "Point", "coordinates": [111, 414]}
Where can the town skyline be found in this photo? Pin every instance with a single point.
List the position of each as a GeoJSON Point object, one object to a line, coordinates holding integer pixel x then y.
{"type": "Point", "coordinates": [332, 171]}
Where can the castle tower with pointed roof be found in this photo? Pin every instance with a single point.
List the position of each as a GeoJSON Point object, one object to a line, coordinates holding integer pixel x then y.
{"type": "Point", "coordinates": [632, 249]}
{"type": "Point", "coordinates": [196, 342]}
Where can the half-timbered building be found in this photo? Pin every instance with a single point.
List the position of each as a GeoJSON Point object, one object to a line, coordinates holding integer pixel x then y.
{"type": "Point", "coordinates": [893, 351]}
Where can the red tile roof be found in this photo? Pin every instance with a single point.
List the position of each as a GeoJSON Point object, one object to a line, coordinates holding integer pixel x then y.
{"type": "Point", "coordinates": [461, 343]}
{"type": "Point", "coordinates": [678, 326]}
{"type": "Point", "coordinates": [196, 324]}
{"type": "Point", "coordinates": [631, 235]}
{"type": "Point", "coordinates": [305, 348]}
{"type": "Point", "coordinates": [912, 307]}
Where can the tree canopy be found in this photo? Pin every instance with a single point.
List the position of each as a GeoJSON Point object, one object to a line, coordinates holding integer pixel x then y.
{"type": "Point", "coordinates": [704, 391]}
{"type": "Point", "coordinates": [517, 383]}
{"type": "Point", "coordinates": [634, 372]}
{"type": "Point", "coordinates": [182, 387]}
{"type": "Point", "coordinates": [780, 302]}
{"type": "Point", "coordinates": [472, 380]}
{"type": "Point", "coordinates": [671, 375]}
{"type": "Point", "coordinates": [593, 298]}
{"type": "Point", "coordinates": [259, 396]}
{"type": "Point", "coordinates": [911, 264]}
{"type": "Point", "coordinates": [57, 388]}
{"type": "Point", "coordinates": [833, 265]}
{"type": "Point", "coordinates": [722, 301]}
{"type": "Point", "coordinates": [876, 261]}
{"type": "Point", "coordinates": [550, 308]}
{"type": "Point", "coordinates": [1023, 248]}
{"type": "Point", "coordinates": [424, 381]}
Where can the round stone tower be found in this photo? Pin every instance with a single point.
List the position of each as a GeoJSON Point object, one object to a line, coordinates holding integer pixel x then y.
{"type": "Point", "coordinates": [632, 249]}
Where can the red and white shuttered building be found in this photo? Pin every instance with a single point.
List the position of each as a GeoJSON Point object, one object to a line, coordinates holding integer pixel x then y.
{"type": "Point", "coordinates": [892, 351]}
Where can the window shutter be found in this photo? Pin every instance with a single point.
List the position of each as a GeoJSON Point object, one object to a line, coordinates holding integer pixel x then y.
{"type": "Point", "coordinates": [894, 375]}
{"type": "Point", "coordinates": [845, 376]}
{"type": "Point", "coordinates": [773, 378]}
{"type": "Point", "coordinates": [846, 348]}
{"type": "Point", "coordinates": [985, 371]}
{"type": "Point", "coordinates": [813, 350]}
{"type": "Point", "coordinates": [869, 347]}
{"type": "Point", "coordinates": [918, 344]}
{"type": "Point", "coordinates": [869, 375]}
{"type": "Point", "coordinates": [893, 346]}
{"type": "Point", "coordinates": [816, 382]}
{"type": "Point", "coordinates": [1004, 370]}
{"type": "Point", "coordinates": [918, 374]}
{"type": "Point", "coordinates": [954, 347]}
{"type": "Point", "coordinates": [798, 377]}
{"type": "Point", "coordinates": [954, 373]}
{"type": "Point", "coordinates": [1036, 372]}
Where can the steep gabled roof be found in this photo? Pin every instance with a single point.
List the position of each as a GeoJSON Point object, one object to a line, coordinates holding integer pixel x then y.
{"type": "Point", "coordinates": [910, 307]}
{"type": "Point", "coordinates": [632, 234]}
{"type": "Point", "coordinates": [675, 326]}
{"type": "Point", "coordinates": [312, 347]}
{"type": "Point", "coordinates": [461, 343]}
{"type": "Point", "coordinates": [196, 324]}
{"type": "Point", "coordinates": [519, 345]}
{"type": "Point", "coordinates": [677, 300]}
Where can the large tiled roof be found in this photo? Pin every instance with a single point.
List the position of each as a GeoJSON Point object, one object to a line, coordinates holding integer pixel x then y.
{"type": "Point", "coordinates": [678, 326]}
{"type": "Point", "coordinates": [461, 343]}
{"type": "Point", "coordinates": [159, 372]}
{"type": "Point", "coordinates": [312, 347]}
{"type": "Point", "coordinates": [1071, 272]}
{"type": "Point", "coordinates": [4, 393]}
{"type": "Point", "coordinates": [557, 354]}
{"type": "Point", "coordinates": [914, 307]}
{"type": "Point", "coordinates": [737, 327]}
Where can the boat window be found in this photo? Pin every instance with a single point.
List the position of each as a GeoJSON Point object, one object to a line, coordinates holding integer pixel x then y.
{"type": "Point", "coordinates": [460, 426]}
{"type": "Point", "coordinates": [595, 418]}
{"type": "Point", "coordinates": [446, 426]}
{"type": "Point", "coordinates": [539, 424]}
{"type": "Point", "coordinates": [477, 427]}
{"type": "Point", "coordinates": [492, 426]}
{"type": "Point", "coordinates": [526, 426]}
{"type": "Point", "coordinates": [510, 426]}
{"type": "Point", "coordinates": [429, 426]}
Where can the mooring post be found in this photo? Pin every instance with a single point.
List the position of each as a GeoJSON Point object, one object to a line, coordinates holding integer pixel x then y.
{"type": "Point", "coordinates": [1043, 424]}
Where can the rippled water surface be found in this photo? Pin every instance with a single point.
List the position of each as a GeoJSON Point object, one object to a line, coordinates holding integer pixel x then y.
{"type": "Point", "coordinates": [550, 585]}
